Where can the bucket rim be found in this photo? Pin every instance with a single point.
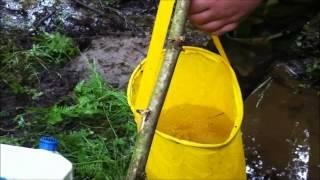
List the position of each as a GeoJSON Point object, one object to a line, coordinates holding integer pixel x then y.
{"type": "Point", "coordinates": [236, 90]}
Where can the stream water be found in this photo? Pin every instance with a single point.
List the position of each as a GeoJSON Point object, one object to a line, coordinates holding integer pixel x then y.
{"type": "Point", "coordinates": [281, 132]}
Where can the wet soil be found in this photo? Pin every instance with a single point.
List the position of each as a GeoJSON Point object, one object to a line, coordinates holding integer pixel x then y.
{"type": "Point", "coordinates": [116, 38]}
{"type": "Point", "coordinates": [115, 58]}
{"type": "Point", "coordinates": [80, 19]}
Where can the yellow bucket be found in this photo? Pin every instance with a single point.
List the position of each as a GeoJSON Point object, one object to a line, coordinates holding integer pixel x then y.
{"type": "Point", "coordinates": [198, 134]}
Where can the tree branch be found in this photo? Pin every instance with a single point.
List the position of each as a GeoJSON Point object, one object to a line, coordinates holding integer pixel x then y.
{"type": "Point", "coordinates": [150, 116]}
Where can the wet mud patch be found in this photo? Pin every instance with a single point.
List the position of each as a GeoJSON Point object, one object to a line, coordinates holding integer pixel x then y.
{"type": "Point", "coordinates": [80, 19]}
{"type": "Point", "coordinates": [115, 58]}
{"type": "Point", "coordinates": [52, 87]}
{"type": "Point", "coordinates": [56, 84]}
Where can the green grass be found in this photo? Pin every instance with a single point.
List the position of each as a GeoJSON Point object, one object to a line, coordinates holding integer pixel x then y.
{"type": "Point", "coordinates": [20, 68]}
{"type": "Point", "coordinates": [9, 140]}
{"type": "Point", "coordinates": [95, 156]}
{"type": "Point", "coordinates": [94, 126]}
{"type": "Point", "coordinates": [313, 70]}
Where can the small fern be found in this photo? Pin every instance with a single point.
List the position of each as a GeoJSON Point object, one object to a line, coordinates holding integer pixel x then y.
{"type": "Point", "coordinates": [94, 126]}
{"type": "Point", "coordinates": [92, 99]}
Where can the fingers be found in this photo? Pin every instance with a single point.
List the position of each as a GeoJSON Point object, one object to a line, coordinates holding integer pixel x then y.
{"type": "Point", "coordinates": [201, 18]}
{"type": "Point", "coordinates": [211, 26]}
{"type": "Point", "coordinates": [209, 15]}
{"type": "Point", "coordinates": [206, 19]}
{"type": "Point", "coordinates": [221, 25]}
{"type": "Point", "coordinates": [198, 6]}
{"type": "Point", "coordinates": [220, 16]}
{"type": "Point", "coordinates": [225, 29]}
{"type": "Point", "coordinates": [218, 27]}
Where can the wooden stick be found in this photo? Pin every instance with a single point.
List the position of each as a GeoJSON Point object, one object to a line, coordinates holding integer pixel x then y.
{"type": "Point", "coordinates": [150, 116]}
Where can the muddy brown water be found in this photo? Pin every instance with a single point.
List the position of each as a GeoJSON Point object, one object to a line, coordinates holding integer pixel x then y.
{"type": "Point", "coordinates": [281, 133]}
{"type": "Point", "coordinates": [196, 123]}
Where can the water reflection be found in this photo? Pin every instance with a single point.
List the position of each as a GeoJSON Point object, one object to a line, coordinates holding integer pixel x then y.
{"type": "Point", "coordinates": [298, 166]}
{"type": "Point", "coordinates": [41, 14]}
{"type": "Point", "coordinates": [281, 131]}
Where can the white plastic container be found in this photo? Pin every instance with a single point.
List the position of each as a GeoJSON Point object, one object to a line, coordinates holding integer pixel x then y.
{"type": "Point", "coordinates": [19, 163]}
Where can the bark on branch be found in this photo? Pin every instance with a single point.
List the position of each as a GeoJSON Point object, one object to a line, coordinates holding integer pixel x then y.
{"type": "Point", "coordinates": [150, 117]}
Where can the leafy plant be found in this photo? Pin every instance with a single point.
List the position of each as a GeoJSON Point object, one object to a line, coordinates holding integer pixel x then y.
{"type": "Point", "coordinates": [91, 99]}
{"type": "Point", "coordinates": [9, 140]}
{"type": "Point", "coordinates": [56, 48]}
{"type": "Point", "coordinates": [94, 126]}
{"type": "Point", "coordinates": [95, 156]}
{"type": "Point", "coordinates": [313, 70]}
{"type": "Point", "coordinates": [20, 68]}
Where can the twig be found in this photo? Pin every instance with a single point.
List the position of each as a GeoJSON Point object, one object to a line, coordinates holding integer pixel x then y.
{"type": "Point", "coordinates": [89, 162]}
{"type": "Point", "coordinates": [118, 13]}
{"type": "Point", "coordinates": [8, 130]}
{"type": "Point", "coordinates": [151, 115]}
{"type": "Point", "coordinates": [100, 3]}
{"type": "Point", "coordinates": [138, 50]}
{"type": "Point", "coordinates": [261, 85]}
{"type": "Point", "coordinates": [220, 114]}
{"type": "Point", "coordinates": [261, 96]}
{"type": "Point", "coordinates": [91, 127]}
{"type": "Point", "coordinates": [44, 19]}
{"type": "Point", "coordinates": [89, 7]}
{"type": "Point", "coordinates": [109, 122]}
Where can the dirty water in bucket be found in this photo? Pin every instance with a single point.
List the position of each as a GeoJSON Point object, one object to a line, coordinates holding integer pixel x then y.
{"type": "Point", "coordinates": [199, 124]}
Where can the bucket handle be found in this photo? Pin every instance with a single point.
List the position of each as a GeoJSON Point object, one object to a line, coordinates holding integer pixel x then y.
{"type": "Point", "coordinates": [218, 44]}
{"type": "Point", "coordinates": [160, 31]}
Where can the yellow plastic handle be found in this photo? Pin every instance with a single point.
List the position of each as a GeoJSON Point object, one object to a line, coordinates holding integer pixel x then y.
{"type": "Point", "coordinates": [219, 46]}
{"type": "Point", "coordinates": [155, 52]}
{"type": "Point", "coordinates": [160, 29]}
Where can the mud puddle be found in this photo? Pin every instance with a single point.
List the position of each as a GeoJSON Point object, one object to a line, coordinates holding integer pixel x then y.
{"type": "Point", "coordinates": [281, 132]}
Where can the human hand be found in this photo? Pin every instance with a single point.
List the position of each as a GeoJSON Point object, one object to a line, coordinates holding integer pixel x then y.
{"type": "Point", "coordinates": [220, 16]}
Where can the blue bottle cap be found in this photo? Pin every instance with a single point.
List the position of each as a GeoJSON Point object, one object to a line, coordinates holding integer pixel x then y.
{"type": "Point", "coordinates": [2, 178]}
{"type": "Point", "coordinates": [48, 143]}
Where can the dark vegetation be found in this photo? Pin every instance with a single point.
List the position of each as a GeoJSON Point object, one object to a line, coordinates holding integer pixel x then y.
{"type": "Point", "coordinates": [93, 122]}
{"type": "Point", "coordinates": [49, 51]}
{"type": "Point", "coordinates": [279, 33]}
